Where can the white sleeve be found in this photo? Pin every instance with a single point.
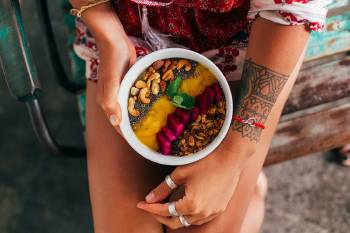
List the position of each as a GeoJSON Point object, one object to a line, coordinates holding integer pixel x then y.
{"type": "Point", "coordinates": [291, 12]}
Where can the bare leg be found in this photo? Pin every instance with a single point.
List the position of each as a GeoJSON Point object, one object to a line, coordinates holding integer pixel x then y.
{"type": "Point", "coordinates": [118, 177]}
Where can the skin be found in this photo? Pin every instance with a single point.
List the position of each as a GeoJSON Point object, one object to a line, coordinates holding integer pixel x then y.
{"type": "Point", "coordinates": [118, 193]}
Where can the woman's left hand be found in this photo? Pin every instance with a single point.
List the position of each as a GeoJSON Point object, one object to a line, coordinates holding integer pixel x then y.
{"type": "Point", "coordinates": [208, 184]}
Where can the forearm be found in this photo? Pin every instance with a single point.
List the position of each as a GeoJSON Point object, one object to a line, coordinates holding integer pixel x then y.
{"type": "Point", "coordinates": [273, 53]}
{"type": "Point", "coordinates": [103, 23]}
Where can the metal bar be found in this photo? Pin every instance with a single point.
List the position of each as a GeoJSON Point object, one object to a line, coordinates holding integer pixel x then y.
{"type": "Point", "coordinates": [44, 135]}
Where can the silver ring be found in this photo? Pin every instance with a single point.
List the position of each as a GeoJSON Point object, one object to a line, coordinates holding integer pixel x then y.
{"type": "Point", "coordinates": [170, 182]}
{"type": "Point", "coordinates": [184, 221]}
{"type": "Point", "coordinates": [172, 209]}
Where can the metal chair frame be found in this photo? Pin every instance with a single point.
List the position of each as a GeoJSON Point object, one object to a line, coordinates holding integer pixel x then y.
{"type": "Point", "coordinates": [11, 18]}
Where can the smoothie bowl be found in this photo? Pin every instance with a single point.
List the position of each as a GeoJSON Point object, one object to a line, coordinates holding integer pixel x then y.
{"type": "Point", "coordinates": [176, 106]}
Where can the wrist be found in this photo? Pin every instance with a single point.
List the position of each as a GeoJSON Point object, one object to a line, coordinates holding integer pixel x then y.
{"type": "Point", "coordinates": [237, 150]}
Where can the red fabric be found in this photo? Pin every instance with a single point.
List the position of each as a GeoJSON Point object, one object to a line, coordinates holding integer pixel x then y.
{"type": "Point", "coordinates": [198, 24]}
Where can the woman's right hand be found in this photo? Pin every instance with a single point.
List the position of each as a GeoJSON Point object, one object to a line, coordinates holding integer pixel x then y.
{"type": "Point", "coordinates": [115, 59]}
{"type": "Point", "coordinates": [116, 53]}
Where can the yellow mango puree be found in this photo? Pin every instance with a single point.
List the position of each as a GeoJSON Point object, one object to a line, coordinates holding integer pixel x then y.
{"type": "Point", "coordinates": [156, 118]}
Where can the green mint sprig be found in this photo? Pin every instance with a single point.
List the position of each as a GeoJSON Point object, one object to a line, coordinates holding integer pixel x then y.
{"type": "Point", "coordinates": [179, 99]}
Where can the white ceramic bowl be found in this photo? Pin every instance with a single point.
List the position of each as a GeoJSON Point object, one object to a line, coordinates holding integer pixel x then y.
{"type": "Point", "coordinates": [129, 80]}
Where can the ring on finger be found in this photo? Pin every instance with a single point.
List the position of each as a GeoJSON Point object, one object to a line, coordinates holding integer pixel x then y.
{"type": "Point", "coordinates": [172, 209]}
{"type": "Point", "coordinates": [184, 221]}
{"type": "Point", "coordinates": [169, 181]}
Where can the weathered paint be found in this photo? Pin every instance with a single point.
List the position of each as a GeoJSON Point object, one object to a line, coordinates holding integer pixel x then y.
{"type": "Point", "coordinates": [335, 38]}
{"type": "Point", "coordinates": [320, 82]}
{"type": "Point", "coordinates": [337, 3]}
{"type": "Point", "coordinates": [4, 32]}
{"type": "Point", "coordinates": [308, 132]}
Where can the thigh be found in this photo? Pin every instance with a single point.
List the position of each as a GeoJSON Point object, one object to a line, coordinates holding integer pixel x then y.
{"type": "Point", "coordinates": [118, 177]}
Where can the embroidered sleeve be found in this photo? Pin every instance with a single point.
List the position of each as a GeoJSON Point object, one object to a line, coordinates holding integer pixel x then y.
{"type": "Point", "coordinates": [291, 12]}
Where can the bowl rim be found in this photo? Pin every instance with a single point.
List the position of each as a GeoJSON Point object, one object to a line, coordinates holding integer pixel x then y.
{"type": "Point", "coordinates": [123, 96]}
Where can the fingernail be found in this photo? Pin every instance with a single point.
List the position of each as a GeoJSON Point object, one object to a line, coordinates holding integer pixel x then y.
{"type": "Point", "coordinates": [114, 120]}
{"type": "Point", "coordinates": [139, 205]}
{"type": "Point", "coordinates": [150, 197]}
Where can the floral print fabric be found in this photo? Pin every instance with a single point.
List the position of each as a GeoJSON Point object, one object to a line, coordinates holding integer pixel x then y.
{"type": "Point", "coordinates": [218, 29]}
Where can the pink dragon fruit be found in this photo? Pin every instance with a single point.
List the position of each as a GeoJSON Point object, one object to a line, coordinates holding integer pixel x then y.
{"type": "Point", "coordinates": [167, 132]}
{"type": "Point", "coordinates": [195, 113]}
{"type": "Point", "coordinates": [183, 115]}
{"type": "Point", "coordinates": [175, 124]}
{"type": "Point", "coordinates": [164, 143]}
{"type": "Point", "coordinates": [218, 92]}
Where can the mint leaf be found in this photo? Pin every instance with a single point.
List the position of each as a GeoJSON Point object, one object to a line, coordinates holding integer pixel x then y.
{"type": "Point", "coordinates": [182, 100]}
{"type": "Point", "coordinates": [173, 87]}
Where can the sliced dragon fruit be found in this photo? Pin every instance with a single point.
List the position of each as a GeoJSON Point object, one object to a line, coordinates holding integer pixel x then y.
{"type": "Point", "coordinates": [169, 134]}
{"type": "Point", "coordinates": [183, 115]}
{"type": "Point", "coordinates": [195, 113]}
{"type": "Point", "coordinates": [163, 143]}
{"type": "Point", "coordinates": [218, 92]}
{"type": "Point", "coordinates": [210, 96]}
{"type": "Point", "coordinates": [175, 124]}
{"type": "Point", "coordinates": [203, 105]}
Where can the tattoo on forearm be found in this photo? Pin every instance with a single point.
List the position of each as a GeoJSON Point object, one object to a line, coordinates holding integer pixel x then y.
{"type": "Point", "coordinates": [260, 88]}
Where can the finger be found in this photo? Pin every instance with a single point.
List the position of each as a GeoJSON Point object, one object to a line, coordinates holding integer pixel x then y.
{"type": "Point", "coordinates": [158, 194]}
{"type": "Point", "coordinates": [175, 223]}
{"type": "Point", "coordinates": [155, 208]}
{"type": "Point", "coordinates": [162, 191]}
{"type": "Point", "coordinates": [171, 222]}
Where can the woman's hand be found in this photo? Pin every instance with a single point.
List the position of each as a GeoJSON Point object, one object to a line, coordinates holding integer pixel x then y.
{"type": "Point", "coordinates": [116, 53]}
{"type": "Point", "coordinates": [208, 184]}
{"type": "Point", "coordinates": [115, 60]}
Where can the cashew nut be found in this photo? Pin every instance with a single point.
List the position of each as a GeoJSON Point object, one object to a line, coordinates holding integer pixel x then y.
{"type": "Point", "coordinates": [134, 91]}
{"type": "Point", "coordinates": [155, 76]}
{"type": "Point", "coordinates": [183, 63]}
{"type": "Point", "coordinates": [158, 64]}
{"type": "Point", "coordinates": [144, 93]}
{"type": "Point", "coordinates": [140, 84]}
{"type": "Point", "coordinates": [169, 75]}
{"type": "Point", "coordinates": [131, 107]}
{"type": "Point", "coordinates": [155, 87]}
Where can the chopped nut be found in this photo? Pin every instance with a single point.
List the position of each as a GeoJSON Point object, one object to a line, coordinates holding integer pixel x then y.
{"type": "Point", "coordinates": [212, 110]}
{"type": "Point", "coordinates": [149, 72]}
{"type": "Point", "coordinates": [183, 63]}
{"type": "Point", "coordinates": [162, 86]}
{"type": "Point", "coordinates": [169, 75]}
{"type": "Point", "coordinates": [173, 65]}
{"type": "Point", "coordinates": [204, 118]}
{"type": "Point", "coordinates": [191, 141]}
{"type": "Point", "coordinates": [158, 64]}
{"type": "Point", "coordinates": [166, 65]}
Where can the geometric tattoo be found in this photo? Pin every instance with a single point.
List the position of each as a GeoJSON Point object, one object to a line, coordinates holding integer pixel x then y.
{"type": "Point", "coordinates": [260, 88]}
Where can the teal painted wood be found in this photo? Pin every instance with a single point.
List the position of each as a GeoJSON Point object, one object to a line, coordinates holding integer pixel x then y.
{"type": "Point", "coordinates": [337, 3]}
{"type": "Point", "coordinates": [335, 38]}
{"type": "Point", "coordinates": [15, 57]}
